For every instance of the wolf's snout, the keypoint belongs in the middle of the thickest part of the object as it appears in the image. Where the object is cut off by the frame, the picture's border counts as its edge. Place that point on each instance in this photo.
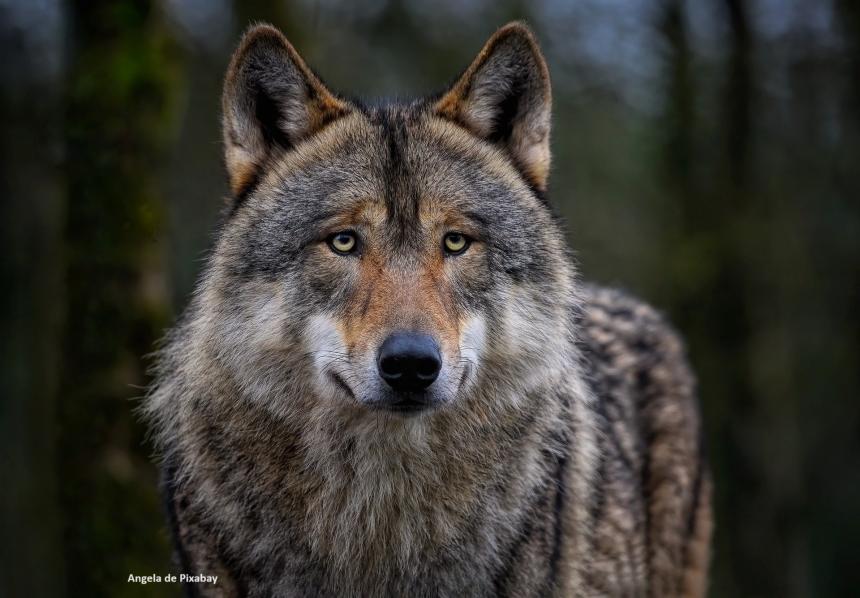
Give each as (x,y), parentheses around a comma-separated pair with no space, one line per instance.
(409,361)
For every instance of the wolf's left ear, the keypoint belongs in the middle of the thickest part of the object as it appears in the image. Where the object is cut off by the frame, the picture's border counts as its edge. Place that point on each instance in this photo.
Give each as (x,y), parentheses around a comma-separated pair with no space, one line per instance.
(271,102)
(504,97)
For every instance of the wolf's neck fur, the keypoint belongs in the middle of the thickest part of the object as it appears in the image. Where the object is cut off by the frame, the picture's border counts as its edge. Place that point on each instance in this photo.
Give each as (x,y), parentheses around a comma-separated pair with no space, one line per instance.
(375,495)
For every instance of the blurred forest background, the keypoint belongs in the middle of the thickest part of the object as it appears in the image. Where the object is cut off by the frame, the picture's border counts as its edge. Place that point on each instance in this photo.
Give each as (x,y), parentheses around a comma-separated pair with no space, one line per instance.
(707,158)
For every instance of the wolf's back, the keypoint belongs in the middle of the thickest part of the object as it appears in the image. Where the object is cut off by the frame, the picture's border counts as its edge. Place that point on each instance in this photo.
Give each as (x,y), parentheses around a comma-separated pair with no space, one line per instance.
(651,510)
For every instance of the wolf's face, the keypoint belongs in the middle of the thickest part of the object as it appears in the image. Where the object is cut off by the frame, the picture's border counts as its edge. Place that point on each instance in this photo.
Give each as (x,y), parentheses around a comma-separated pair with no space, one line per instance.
(386,259)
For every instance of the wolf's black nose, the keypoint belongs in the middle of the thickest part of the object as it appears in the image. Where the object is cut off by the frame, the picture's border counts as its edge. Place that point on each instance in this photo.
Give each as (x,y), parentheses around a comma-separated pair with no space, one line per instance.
(409,361)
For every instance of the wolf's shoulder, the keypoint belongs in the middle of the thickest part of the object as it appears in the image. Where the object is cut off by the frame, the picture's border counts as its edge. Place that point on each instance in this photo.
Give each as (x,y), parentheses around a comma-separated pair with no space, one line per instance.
(632,357)
(622,334)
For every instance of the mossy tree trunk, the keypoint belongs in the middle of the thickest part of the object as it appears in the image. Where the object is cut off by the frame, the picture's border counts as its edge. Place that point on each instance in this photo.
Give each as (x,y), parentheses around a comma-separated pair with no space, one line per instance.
(120,88)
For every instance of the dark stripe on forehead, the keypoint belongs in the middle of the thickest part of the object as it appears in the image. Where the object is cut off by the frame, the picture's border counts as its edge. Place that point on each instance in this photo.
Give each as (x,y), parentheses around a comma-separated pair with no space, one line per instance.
(400,191)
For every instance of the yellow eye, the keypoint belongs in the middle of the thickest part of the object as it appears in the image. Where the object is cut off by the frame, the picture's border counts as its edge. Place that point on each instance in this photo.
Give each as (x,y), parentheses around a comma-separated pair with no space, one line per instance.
(456,243)
(343,242)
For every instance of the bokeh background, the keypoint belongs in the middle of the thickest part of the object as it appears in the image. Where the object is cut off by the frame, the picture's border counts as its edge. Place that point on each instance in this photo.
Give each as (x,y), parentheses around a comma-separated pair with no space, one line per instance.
(707,158)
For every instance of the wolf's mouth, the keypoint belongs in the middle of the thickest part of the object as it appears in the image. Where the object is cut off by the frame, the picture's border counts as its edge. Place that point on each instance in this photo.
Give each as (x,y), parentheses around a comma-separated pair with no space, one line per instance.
(407,403)
(342,384)
(466,371)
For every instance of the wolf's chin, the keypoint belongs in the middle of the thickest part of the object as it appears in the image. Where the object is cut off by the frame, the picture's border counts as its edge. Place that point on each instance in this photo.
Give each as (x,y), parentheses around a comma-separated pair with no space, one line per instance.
(405,408)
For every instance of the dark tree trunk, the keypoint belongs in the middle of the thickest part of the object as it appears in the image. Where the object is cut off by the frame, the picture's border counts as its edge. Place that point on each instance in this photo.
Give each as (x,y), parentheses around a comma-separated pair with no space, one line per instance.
(119,101)
(31,212)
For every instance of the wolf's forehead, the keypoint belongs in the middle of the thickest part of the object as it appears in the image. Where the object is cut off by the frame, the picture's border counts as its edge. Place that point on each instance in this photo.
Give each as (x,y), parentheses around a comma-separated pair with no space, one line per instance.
(392,164)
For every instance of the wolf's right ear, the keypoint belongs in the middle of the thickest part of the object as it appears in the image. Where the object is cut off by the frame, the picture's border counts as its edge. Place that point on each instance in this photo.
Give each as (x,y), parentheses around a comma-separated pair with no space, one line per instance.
(271,102)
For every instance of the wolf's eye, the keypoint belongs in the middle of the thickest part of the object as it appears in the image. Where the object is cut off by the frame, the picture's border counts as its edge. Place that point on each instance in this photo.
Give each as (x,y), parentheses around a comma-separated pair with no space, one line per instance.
(343,242)
(455,243)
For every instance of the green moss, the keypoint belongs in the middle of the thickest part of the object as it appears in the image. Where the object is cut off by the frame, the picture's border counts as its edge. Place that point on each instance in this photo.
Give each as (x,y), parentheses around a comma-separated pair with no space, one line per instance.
(120,96)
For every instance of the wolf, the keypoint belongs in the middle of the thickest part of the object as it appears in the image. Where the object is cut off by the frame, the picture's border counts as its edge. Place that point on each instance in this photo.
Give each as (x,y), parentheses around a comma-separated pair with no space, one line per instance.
(391,380)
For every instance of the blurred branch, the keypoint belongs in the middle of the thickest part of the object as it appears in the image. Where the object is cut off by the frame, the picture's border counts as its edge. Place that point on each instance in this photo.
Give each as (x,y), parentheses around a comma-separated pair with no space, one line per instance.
(739,91)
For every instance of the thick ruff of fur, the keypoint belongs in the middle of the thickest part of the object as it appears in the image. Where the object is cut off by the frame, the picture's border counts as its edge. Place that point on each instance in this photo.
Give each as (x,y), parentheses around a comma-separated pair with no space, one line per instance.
(562,452)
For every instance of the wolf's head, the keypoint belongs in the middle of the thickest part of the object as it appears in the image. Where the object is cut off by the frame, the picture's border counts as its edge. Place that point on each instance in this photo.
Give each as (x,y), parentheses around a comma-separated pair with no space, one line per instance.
(390,258)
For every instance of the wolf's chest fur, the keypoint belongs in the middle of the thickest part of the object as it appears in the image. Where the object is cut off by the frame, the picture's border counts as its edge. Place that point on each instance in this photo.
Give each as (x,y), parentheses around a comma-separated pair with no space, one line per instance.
(386,508)
(390,382)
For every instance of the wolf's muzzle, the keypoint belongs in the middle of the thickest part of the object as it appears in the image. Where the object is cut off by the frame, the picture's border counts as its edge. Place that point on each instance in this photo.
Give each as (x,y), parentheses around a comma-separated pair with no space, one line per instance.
(409,361)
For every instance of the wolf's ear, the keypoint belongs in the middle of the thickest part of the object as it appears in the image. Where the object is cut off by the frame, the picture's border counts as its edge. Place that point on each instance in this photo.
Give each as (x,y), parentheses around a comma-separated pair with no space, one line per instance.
(271,102)
(504,96)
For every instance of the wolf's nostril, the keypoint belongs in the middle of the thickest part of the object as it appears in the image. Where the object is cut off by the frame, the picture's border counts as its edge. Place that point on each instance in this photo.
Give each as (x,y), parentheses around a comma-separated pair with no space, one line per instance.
(391,367)
(426,368)
(409,361)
